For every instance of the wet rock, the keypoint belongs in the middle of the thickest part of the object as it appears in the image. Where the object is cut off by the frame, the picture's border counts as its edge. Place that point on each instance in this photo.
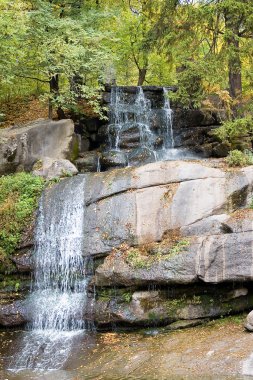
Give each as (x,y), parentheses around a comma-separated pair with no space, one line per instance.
(21,147)
(50,168)
(221,149)
(87,163)
(113,159)
(141,156)
(23,260)
(12,314)
(249,322)
(184,324)
(156,308)
(130,138)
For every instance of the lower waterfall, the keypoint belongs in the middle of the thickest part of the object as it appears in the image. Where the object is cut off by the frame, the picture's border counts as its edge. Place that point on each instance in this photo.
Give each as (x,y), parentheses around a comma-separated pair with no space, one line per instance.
(58,294)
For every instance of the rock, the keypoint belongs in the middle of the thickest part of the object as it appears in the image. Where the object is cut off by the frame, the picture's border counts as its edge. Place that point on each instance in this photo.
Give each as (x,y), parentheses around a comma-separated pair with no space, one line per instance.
(12,314)
(23,260)
(50,168)
(130,138)
(113,159)
(221,149)
(211,259)
(141,156)
(212,225)
(241,221)
(151,308)
(178,195)
(21,147)
(249,322)
(184,324)
(88,162)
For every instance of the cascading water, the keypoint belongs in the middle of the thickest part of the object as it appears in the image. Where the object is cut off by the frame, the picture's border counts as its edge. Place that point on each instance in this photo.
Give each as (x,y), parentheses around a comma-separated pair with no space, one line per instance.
(132,119)
(125,115)
(168,138)
(142,133)
(58,293)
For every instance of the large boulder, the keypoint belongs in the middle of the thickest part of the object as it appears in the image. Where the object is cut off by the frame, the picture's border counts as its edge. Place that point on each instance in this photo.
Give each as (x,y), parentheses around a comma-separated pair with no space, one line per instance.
(21,147)
(50,168)
(211,259)
(141,205)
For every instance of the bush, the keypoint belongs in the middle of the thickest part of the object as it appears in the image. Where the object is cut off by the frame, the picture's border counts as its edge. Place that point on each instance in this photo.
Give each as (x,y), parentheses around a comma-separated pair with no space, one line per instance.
(238,158)
(232,130)
(19,195)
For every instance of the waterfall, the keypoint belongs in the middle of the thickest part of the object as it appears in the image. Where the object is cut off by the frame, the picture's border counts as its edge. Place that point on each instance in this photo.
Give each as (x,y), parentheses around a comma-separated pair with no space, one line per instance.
(125,115)
(58,294)
(131,126)
(168,135)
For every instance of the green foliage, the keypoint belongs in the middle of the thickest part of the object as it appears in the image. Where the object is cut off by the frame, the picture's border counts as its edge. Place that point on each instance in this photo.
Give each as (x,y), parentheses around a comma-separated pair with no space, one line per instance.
(143,260)
(202,46)
(137,260)
(43,40)
(19,195)
(178,247)
(233,129)
(238,158)
(127,297)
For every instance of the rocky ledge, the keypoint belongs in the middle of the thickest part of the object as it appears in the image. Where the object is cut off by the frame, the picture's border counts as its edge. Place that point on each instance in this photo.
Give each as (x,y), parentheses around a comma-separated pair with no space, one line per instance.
(178,241)
(171,242)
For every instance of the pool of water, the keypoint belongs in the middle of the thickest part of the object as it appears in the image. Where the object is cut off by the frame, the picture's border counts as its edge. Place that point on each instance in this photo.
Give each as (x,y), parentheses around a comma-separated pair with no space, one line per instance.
(196,354)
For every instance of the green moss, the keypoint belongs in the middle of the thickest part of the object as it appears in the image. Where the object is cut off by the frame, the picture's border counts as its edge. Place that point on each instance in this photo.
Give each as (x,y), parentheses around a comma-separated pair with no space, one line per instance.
(173,305)
(127,297)
(108,294)
(137,260)
(75,151)
(19,195)
(177,248)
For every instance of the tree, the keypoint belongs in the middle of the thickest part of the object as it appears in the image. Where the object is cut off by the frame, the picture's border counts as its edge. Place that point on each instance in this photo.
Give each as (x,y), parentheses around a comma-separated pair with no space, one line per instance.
(59,42)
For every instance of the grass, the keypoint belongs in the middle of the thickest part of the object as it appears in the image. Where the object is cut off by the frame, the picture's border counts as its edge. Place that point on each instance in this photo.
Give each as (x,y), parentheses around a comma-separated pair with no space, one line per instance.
(19,194)
(143,258)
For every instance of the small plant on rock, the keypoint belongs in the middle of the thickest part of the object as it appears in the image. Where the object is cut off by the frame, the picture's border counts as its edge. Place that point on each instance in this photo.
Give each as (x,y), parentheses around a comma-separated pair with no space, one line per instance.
(238,158)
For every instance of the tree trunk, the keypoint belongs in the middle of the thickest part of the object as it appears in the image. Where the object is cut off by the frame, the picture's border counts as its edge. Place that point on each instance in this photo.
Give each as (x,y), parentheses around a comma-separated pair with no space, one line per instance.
(142,76)
(54,91)
(234,60)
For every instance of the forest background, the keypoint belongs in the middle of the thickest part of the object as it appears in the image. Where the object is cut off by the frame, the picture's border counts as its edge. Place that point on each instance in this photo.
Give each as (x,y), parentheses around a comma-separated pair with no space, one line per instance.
(62,51)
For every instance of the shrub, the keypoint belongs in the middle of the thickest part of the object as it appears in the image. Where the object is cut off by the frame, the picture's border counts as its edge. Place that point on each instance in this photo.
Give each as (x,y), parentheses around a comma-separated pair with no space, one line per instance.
(238,158)
(234,129)
(19,195)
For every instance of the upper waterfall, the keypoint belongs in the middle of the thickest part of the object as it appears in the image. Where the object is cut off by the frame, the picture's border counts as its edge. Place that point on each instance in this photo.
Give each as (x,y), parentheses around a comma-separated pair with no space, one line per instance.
(131,123)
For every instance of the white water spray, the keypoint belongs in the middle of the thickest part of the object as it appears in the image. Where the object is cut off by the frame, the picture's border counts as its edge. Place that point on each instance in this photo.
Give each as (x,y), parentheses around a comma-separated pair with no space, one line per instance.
(58,295)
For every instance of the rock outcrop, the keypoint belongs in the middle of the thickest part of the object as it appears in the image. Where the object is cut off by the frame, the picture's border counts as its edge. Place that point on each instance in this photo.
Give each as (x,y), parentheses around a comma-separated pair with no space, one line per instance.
(171,241)
(170,225)
(21,147)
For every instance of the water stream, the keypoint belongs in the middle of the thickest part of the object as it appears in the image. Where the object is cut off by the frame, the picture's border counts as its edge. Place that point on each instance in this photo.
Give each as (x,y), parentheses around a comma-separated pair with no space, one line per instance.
(58,294)
(131,128)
